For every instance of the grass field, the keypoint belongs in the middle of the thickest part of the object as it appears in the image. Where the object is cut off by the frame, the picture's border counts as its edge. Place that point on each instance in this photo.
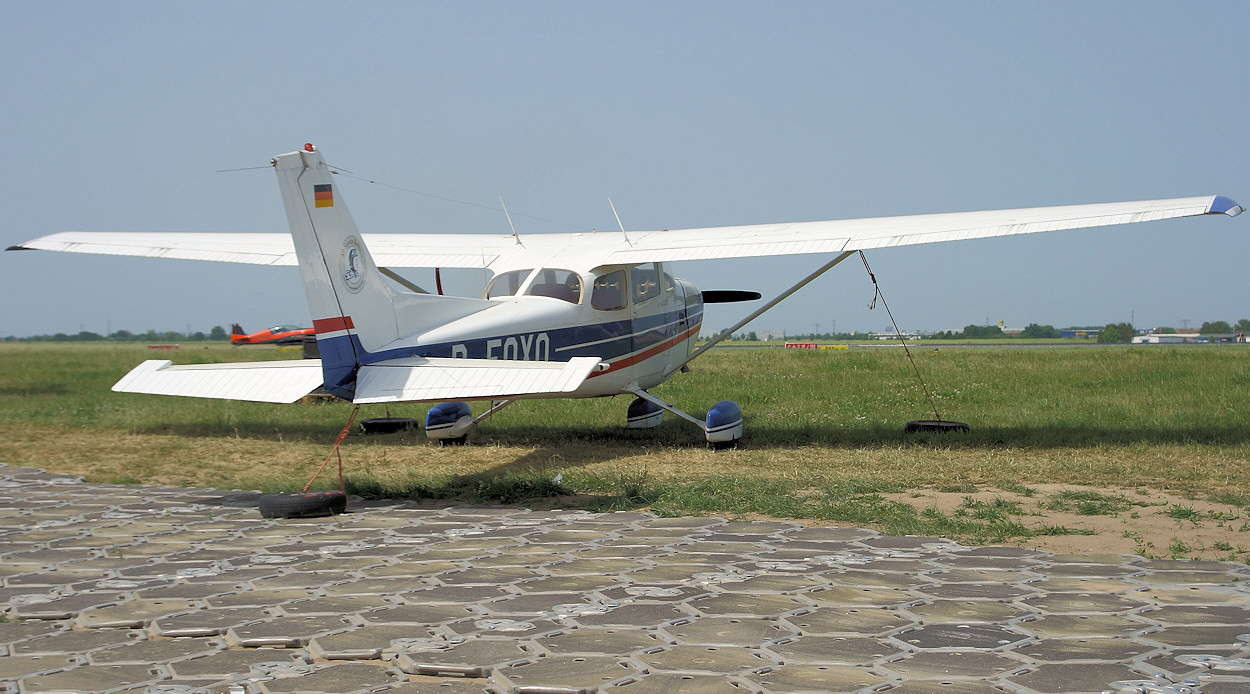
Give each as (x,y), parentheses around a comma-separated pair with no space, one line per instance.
(824,439)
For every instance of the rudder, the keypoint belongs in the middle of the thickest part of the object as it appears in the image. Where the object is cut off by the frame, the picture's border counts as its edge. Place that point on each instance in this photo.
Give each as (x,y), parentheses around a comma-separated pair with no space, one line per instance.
(353,310)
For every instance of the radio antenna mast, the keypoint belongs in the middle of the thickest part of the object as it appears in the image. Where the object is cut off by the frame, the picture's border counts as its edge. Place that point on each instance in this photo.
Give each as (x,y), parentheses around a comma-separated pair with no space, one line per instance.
(510,224)
(618,221)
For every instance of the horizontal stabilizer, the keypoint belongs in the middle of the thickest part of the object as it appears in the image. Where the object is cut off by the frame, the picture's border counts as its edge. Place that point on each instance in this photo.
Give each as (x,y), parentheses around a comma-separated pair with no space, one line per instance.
(427,379)
(257,381)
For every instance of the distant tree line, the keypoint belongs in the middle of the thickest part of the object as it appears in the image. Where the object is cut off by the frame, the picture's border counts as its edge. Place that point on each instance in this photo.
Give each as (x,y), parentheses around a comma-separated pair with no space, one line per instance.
(1219,326)
(1112,333)
(800,337)
(981,332)
(218,333)
(1116,333)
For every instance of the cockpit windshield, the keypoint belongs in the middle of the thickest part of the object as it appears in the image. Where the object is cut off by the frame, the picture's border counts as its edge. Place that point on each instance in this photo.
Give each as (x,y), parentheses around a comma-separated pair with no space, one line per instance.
(565,285)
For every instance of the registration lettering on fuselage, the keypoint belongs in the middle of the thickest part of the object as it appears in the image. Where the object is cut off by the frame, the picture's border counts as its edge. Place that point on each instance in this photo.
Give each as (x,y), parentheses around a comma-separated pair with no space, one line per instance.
(525,347)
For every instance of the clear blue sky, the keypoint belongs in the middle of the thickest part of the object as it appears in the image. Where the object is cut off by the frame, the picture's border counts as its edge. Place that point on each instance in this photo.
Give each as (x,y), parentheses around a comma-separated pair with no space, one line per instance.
(118,115)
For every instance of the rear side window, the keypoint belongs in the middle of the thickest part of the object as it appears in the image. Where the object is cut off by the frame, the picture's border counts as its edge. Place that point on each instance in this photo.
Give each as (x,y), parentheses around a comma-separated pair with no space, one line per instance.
(646,283)
(609,292)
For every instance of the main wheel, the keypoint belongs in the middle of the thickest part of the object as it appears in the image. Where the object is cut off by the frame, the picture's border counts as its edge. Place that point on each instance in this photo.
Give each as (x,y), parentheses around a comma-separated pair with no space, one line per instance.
(724,425)
(643,414)
(303,504)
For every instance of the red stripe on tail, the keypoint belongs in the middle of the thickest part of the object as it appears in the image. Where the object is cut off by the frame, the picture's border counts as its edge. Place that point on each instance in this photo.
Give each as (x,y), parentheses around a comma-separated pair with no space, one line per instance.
(330,325)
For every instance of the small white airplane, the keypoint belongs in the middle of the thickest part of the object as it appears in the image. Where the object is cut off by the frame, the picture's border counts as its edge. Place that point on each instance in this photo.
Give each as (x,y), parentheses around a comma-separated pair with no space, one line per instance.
(564,315)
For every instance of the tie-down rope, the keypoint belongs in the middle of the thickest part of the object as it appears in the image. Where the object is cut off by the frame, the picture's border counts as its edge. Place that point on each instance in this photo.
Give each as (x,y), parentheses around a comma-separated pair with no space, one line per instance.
(335,452)
(878,295)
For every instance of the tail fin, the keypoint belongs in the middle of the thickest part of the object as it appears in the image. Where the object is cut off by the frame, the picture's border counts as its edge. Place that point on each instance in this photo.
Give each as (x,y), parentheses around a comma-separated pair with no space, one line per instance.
(237,336)
(353,310)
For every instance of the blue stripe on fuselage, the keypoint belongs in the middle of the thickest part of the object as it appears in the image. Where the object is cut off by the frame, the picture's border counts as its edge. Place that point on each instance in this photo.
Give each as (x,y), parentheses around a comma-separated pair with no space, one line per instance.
(608,341)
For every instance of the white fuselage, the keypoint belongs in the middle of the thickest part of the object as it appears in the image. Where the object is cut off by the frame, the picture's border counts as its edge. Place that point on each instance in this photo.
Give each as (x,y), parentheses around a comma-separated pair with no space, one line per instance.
(641,322)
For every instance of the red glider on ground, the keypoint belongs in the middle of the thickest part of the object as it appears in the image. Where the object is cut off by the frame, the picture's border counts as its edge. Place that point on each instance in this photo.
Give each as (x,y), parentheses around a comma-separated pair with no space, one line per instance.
(278,334)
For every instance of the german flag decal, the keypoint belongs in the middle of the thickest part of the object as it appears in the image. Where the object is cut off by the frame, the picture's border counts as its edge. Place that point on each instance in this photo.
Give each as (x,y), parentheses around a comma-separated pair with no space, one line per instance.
(323,194)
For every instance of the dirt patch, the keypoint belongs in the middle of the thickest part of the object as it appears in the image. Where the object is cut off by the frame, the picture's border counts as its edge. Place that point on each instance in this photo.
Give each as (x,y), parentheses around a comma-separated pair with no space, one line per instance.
(1123,520)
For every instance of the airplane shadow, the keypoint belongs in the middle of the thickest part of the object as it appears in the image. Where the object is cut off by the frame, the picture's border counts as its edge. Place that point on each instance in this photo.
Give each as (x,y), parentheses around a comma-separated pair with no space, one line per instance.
(553,440)
(530,478)
(775,438)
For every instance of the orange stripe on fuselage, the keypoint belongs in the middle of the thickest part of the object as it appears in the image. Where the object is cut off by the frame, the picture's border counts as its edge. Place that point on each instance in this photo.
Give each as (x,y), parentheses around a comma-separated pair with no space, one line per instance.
(646,354)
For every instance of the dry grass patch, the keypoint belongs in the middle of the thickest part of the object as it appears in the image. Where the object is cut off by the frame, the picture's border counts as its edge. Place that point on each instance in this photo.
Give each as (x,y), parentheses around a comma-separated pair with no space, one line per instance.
(825,442)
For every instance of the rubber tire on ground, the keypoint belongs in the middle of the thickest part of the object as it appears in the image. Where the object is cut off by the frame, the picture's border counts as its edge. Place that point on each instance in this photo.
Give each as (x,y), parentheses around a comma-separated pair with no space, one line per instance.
(937,425)
(387,425)
(303,504)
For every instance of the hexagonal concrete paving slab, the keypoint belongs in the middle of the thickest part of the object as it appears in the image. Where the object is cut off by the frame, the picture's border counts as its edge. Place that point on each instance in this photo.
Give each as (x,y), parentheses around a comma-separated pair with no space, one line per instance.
(111,588)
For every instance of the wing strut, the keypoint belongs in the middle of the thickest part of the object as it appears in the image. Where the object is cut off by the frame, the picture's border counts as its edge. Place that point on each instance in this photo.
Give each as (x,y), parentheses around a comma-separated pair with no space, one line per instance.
(402,280)
(756,314)
(665,405)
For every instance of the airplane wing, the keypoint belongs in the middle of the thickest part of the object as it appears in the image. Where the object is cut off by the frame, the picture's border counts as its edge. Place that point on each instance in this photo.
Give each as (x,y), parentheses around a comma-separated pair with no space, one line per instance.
(428,379)
(258,381)
(881,232)
(794,238)
(389,250)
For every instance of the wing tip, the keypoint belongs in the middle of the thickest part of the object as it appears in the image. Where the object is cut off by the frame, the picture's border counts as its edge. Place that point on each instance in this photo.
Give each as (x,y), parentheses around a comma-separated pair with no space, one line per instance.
(1224,205)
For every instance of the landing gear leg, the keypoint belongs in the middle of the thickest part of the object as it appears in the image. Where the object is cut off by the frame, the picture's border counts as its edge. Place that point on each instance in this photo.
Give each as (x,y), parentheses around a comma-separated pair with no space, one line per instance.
(723,426)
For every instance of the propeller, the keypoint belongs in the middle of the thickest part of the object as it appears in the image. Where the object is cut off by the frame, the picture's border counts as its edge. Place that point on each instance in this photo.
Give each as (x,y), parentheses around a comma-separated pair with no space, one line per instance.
(728,296)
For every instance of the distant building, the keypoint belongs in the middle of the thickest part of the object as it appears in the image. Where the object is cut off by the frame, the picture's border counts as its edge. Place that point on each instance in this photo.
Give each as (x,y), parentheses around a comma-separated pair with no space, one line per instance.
(1091,333)
(1188,337)
(906,335)
(1163,339)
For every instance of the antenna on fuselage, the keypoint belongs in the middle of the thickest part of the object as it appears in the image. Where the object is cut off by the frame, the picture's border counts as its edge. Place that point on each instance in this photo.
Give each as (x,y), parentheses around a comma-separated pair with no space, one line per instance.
(510,224)
(618,221)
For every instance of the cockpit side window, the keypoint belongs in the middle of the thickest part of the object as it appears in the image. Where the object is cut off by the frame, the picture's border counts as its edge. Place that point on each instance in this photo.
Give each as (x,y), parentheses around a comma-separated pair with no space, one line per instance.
(645,281)
(609,292)
(565,285)
(506,283)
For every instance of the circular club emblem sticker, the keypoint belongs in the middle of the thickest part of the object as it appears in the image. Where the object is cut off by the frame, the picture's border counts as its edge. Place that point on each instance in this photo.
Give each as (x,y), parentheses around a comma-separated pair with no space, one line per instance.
(352,265)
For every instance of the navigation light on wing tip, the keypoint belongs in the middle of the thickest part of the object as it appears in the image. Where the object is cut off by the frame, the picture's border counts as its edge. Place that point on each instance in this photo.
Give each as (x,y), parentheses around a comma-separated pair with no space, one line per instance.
(308,147)
(1225,205)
